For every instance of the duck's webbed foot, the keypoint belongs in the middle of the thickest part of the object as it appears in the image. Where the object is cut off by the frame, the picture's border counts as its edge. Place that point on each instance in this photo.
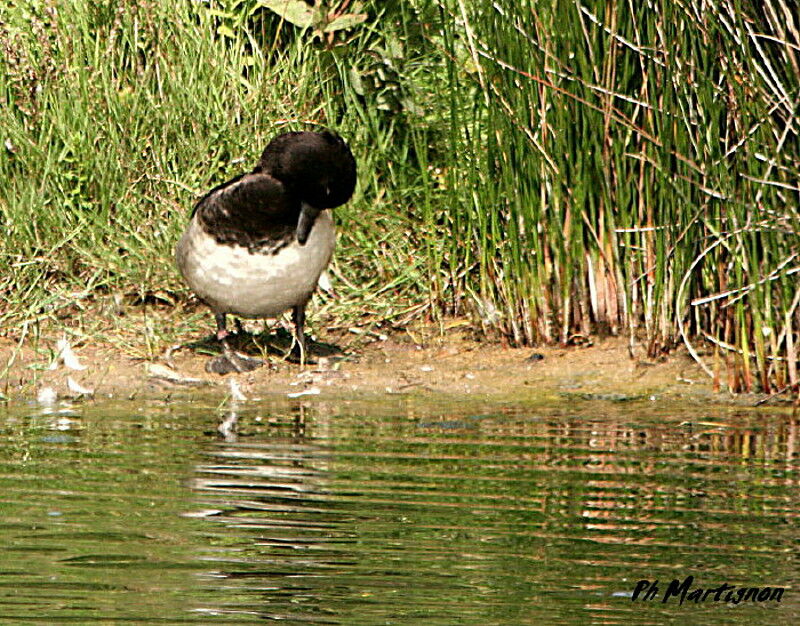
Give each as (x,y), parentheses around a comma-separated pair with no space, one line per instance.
(230,361)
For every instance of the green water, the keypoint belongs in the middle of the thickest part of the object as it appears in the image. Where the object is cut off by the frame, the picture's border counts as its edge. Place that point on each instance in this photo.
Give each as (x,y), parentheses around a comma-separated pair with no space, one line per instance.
(393,510)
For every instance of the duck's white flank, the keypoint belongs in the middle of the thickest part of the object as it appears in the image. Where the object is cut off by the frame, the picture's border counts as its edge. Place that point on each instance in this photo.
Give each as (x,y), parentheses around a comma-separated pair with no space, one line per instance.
(232,280)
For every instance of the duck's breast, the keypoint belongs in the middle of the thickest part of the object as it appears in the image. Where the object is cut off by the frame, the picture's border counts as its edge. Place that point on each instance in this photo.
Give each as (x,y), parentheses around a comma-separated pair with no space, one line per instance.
(261,283)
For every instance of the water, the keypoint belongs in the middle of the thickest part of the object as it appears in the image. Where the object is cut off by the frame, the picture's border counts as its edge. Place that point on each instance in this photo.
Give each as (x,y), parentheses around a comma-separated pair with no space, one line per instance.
(395,510)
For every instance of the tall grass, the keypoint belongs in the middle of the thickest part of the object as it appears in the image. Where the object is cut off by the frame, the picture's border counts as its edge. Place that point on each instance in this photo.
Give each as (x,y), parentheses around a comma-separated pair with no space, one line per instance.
(552,170)
(637,170)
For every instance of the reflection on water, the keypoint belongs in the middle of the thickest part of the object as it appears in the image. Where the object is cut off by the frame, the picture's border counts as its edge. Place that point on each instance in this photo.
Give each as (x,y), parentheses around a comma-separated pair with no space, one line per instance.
(396,510)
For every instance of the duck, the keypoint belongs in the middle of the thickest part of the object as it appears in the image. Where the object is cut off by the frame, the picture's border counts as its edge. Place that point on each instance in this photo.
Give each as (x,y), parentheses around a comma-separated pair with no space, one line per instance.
(256,245)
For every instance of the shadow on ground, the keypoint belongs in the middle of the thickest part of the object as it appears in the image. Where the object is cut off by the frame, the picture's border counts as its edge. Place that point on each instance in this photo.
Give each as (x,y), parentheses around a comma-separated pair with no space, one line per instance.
(277,343)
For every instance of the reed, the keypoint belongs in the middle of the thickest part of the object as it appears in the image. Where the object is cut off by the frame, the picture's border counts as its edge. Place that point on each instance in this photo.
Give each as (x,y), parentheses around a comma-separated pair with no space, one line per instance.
(633,167)
(551,170)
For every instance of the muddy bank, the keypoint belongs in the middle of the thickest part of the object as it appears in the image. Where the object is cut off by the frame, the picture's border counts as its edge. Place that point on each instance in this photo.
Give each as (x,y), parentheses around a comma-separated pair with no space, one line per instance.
(423,360)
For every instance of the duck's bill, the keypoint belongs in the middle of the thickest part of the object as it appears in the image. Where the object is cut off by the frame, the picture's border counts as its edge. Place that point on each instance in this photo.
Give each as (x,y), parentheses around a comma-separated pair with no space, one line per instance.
(308,215)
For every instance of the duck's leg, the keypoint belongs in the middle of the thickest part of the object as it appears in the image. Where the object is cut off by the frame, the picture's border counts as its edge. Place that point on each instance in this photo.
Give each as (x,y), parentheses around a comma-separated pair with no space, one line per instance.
(299,319)
(229,361)
(222,330)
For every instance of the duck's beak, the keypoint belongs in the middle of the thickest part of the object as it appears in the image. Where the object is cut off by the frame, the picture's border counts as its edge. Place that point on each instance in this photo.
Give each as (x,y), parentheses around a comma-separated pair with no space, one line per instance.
(308,214)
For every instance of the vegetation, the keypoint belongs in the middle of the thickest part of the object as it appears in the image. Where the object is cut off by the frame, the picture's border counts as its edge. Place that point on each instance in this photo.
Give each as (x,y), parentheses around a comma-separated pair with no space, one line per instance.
(549,169)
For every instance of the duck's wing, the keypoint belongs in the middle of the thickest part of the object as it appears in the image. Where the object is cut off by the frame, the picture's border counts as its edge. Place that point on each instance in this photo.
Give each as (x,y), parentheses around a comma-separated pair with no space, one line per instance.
(252,210)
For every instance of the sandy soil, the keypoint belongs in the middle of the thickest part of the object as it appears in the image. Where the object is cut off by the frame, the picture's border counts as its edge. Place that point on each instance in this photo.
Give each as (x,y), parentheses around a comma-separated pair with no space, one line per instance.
(424,360)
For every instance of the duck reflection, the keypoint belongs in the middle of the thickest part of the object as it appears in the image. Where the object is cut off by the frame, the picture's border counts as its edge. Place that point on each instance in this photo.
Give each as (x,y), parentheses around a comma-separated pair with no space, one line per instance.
(269,497)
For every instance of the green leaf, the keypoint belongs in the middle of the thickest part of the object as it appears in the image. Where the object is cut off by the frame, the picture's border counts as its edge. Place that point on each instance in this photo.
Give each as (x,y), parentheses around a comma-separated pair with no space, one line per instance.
(343,22)
(293,11)
(394,48)
(412,107)
(355,81)
(218,13)
(226,31)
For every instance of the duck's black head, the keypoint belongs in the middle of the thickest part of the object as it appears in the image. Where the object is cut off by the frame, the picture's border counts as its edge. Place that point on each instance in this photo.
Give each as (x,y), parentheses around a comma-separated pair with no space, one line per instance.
(317,168)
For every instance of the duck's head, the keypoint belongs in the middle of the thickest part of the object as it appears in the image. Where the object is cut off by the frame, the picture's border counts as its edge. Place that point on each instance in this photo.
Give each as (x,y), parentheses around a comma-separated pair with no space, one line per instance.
(316,168)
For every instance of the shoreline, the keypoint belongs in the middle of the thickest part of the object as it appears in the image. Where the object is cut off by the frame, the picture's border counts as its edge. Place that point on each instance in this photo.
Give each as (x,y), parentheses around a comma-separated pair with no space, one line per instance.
(423,361)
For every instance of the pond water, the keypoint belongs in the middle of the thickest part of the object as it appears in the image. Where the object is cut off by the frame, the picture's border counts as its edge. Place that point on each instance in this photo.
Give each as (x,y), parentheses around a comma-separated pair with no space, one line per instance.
(394,510)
